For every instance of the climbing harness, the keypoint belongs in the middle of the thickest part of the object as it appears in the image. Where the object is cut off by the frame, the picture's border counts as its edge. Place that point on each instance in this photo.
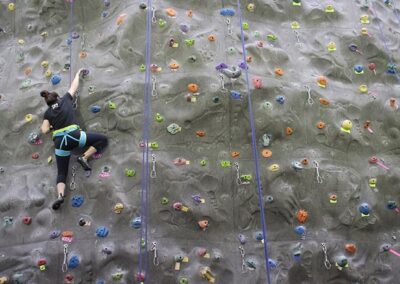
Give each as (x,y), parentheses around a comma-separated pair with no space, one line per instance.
(242,255)
(154,86)
(64,133)
(254,149)
(153,15)
(72,185)
(153,173)
(155,255)
(310,100)
(326,261)
(64,267)
(319,177)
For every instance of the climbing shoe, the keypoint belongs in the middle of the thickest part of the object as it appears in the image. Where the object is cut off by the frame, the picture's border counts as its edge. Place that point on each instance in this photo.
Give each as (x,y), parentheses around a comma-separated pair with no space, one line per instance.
(84,164)
(58,202)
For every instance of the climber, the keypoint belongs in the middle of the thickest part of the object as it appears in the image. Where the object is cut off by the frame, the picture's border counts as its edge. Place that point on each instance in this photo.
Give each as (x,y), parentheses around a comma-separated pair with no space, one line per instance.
(67,135)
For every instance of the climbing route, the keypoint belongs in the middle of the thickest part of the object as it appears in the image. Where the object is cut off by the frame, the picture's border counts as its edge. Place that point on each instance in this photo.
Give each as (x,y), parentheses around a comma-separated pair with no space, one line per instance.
(248,142)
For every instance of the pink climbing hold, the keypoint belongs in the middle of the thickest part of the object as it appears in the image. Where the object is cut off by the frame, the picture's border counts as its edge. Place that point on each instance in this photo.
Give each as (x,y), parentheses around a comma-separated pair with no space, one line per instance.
(257,83)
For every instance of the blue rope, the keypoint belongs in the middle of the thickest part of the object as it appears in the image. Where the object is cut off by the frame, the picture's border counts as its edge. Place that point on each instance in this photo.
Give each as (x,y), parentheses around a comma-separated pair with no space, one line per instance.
(384,39)
(145,175)
(255,151)
(71,27)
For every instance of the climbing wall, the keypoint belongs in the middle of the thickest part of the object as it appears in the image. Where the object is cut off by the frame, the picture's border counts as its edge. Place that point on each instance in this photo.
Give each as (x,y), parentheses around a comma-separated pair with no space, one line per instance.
(323,84)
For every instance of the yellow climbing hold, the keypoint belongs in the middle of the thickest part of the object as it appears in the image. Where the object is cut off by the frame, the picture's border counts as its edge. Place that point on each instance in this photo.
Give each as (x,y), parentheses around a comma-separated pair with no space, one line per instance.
(11,7)
(48,73)
(363,89)
(329,9)
(364,31)
(49,159)
(295,25)
(45,64)
(364,19)
(28,117)
(346,126)
(21,42)
(273,167)
(331,46)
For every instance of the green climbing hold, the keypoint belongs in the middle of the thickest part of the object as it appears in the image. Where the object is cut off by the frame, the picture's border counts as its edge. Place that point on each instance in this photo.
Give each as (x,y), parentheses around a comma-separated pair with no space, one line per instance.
(161,23)
(183,280)
(143,243)
(174,128)
(130,172)
(117,276)
(215,100)
(245,26)
(272,37)
(142,68)
(246,178)
(189,42)
(159,117)
(112,105)
(154,145)
(203,163)
(225,164)
(256,34)
(164,201)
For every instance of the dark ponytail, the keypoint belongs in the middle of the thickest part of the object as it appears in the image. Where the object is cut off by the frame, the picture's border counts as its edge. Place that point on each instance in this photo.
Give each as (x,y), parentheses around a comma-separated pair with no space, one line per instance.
(50,98)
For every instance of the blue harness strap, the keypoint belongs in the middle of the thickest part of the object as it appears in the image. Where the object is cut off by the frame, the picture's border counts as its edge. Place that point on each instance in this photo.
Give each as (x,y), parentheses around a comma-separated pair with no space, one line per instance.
(64,142)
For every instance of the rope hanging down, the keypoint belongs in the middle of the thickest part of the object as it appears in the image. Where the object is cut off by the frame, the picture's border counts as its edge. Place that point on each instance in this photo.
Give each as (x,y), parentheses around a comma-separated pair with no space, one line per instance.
(145,175)
(254,148)
(70,41)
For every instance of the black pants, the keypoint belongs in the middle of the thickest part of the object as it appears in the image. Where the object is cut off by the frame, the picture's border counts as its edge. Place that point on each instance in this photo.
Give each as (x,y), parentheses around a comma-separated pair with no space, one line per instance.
(98,141)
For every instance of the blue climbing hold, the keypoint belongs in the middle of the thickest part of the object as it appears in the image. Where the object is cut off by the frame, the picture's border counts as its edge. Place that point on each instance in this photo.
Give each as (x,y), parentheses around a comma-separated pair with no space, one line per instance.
(364,209)
(77,200)
(391,68)
(100,281)
(136,223)
(280,99)
(300,230)
(272,263)
(73,262)
(227,12)
(55,79)
(391,205)
(69,41)
(236,95)
(259,236)
(358,69)
(102,232)
(95,109)
(54,234)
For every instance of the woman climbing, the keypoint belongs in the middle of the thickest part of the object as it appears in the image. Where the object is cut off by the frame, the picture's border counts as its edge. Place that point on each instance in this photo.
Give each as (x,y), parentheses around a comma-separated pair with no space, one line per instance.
(67,135)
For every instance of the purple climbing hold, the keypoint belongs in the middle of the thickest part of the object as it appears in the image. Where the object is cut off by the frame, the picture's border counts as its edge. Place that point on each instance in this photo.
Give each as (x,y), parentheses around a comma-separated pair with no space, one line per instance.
(54,234)
(184,28)
(221,66)
(243,65)
(242,239)
(75,35)
(107,3)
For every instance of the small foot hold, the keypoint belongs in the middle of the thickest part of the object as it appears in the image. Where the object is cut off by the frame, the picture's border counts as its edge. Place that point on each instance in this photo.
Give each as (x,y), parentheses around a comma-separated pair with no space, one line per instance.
(56,205)
(88,173)
(84,164)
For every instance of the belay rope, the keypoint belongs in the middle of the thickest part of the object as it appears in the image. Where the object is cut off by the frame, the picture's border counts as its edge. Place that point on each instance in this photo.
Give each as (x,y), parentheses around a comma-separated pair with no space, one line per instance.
(254,148)
(145,175)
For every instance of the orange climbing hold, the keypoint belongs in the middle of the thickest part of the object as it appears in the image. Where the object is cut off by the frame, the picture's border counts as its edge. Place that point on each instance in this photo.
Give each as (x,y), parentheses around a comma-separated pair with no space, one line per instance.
(350,248)
(235,154)
(201,133)
(279,71)
(193,88)
(321,125)
(289,131)
(189,13)
(324,102)
(67,234)
(170,12)
(305,162)
(249,59)
(302,216)
(211,37)
(266,153)
(174,66)
(203,224)
(121,19)
(322,81)
(82,54)
(28,71)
